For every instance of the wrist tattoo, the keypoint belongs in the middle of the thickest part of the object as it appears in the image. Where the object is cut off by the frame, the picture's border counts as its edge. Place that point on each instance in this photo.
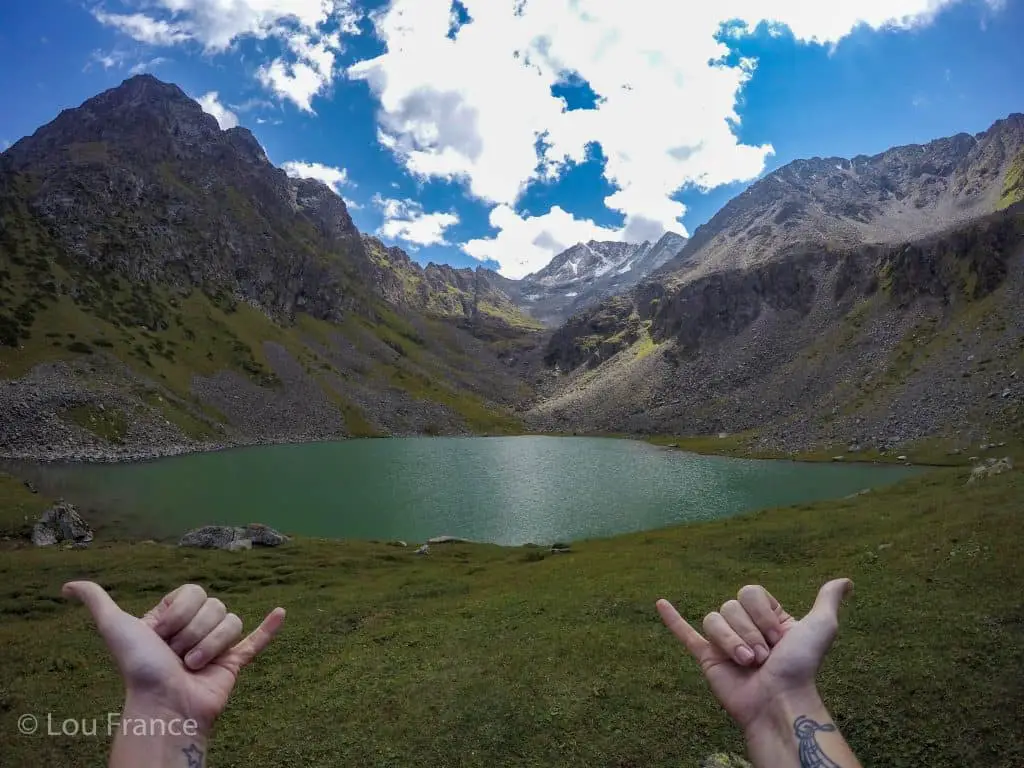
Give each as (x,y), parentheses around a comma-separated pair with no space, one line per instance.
(811,754)
(194,756)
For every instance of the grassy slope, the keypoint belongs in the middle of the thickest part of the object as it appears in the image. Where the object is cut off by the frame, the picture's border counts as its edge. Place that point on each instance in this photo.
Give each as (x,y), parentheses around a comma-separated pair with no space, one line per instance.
(483,656)
(1013,185)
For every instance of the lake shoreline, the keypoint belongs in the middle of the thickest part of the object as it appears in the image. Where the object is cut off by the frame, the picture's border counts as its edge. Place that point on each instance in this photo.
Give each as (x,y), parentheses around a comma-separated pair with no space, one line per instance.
(700,445)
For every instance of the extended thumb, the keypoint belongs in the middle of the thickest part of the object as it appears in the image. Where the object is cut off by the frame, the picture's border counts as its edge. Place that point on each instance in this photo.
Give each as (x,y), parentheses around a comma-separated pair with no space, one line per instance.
(101,605)
(830,597)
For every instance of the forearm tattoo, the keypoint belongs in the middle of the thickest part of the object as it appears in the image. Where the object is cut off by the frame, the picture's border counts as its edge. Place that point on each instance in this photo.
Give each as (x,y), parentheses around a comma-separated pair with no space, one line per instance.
(811,755)
(194,755)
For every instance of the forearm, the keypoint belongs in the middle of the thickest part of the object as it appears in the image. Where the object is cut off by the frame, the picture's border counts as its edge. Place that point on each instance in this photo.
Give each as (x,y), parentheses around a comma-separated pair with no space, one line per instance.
(151,736)
(796,731)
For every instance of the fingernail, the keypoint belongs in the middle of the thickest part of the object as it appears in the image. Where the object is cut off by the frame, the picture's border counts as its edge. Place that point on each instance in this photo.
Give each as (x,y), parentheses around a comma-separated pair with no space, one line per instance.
(744,655)
(760,653)
(193,658)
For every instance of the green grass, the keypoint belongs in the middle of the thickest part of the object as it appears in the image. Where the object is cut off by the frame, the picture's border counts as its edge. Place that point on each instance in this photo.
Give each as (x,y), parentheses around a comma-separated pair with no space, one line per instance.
(19,508)
(108,424)
(483,656)
(1013,184)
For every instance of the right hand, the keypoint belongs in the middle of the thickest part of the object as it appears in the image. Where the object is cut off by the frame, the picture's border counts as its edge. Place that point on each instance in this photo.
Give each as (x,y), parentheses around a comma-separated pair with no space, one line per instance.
(755,653)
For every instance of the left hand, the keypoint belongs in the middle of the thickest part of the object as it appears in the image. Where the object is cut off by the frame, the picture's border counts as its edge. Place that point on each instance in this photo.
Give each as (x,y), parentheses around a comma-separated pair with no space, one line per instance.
(183,657)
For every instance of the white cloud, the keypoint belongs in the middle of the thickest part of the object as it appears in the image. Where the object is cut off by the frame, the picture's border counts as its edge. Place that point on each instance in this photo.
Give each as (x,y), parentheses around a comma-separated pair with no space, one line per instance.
(146,66)
(335,178)
(526,244)
(212,106)
(310,31)
(477,107)
(109,60)
(144,28)
(406,220)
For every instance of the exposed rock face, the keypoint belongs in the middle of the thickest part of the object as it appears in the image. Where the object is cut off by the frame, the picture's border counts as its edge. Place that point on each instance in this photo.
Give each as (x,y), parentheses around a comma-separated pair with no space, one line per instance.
(60,523)
(441,290)
(874,346)
(588,272)
(140,181)
(232,538)
(896,196)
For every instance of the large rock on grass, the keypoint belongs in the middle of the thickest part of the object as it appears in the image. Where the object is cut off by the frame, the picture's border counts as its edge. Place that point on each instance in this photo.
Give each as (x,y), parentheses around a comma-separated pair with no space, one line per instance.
(61,522)
(232,537)
(990,469)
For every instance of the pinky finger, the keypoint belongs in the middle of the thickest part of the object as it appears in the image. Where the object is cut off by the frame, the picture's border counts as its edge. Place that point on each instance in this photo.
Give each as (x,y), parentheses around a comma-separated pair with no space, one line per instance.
(220,638)
(690,637)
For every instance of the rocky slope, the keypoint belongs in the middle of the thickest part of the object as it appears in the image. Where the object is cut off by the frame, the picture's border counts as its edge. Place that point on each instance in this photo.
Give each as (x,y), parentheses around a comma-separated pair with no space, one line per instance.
(901,194)
(873,346)
(581,276)
(163,285)
(476,298)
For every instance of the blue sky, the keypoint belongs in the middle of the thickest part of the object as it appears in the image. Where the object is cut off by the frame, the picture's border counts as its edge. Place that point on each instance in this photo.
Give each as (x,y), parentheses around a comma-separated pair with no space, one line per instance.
(500,132)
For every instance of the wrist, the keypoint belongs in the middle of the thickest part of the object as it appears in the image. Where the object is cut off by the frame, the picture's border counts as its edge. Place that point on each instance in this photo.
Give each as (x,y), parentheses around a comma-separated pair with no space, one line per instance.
(161,718)
(150,733)
(776,718)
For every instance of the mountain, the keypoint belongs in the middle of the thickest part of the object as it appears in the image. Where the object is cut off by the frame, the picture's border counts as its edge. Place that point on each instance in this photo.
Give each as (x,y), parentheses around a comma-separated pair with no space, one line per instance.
(903,193)
(587,272)
(476,298)
(874,301)
(873,347)
(162,283)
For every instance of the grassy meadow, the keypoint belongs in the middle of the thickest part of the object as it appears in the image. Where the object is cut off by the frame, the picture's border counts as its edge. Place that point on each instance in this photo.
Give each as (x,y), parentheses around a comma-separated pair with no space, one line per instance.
(484,656)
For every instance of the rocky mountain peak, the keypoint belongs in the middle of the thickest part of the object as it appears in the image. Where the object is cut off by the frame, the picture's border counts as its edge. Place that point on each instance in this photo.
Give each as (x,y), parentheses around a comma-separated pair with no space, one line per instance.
(904,192)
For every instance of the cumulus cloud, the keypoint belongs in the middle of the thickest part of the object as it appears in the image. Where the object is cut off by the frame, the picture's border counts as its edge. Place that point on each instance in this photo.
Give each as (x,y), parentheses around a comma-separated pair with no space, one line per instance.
(210,102)
(473,102)
(527,244)
(309,30)
(335,178)
(406,220)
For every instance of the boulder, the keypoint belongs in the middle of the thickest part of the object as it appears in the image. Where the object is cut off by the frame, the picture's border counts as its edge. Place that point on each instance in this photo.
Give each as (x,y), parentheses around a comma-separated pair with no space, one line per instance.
(990,469)
(724,760)
(229,537)
(61,522)
(263,536)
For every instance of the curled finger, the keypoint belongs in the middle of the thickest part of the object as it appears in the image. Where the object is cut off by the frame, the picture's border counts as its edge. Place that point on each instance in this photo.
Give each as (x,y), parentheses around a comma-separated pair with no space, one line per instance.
(726,639)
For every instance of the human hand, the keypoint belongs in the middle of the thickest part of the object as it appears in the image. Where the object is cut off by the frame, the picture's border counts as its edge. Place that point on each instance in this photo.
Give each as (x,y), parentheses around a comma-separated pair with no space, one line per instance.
(756,655)
(183,657)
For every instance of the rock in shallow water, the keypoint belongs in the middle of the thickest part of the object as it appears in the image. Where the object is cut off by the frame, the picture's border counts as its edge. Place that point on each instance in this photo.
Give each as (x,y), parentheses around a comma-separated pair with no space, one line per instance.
(231,537)
(61,522)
